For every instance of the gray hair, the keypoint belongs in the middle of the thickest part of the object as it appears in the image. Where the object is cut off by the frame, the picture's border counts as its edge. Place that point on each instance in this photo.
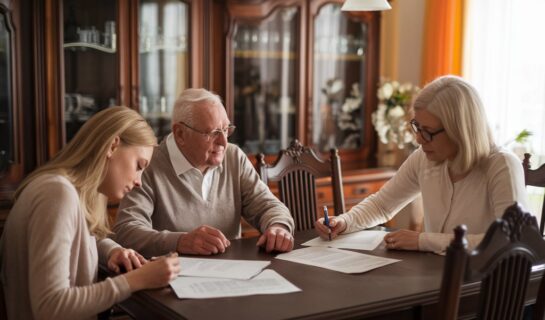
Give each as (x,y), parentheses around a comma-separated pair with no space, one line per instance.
(458,105)
(183,110)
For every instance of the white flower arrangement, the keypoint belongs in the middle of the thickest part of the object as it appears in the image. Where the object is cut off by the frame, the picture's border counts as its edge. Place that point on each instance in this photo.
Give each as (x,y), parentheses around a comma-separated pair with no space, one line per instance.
(390,119)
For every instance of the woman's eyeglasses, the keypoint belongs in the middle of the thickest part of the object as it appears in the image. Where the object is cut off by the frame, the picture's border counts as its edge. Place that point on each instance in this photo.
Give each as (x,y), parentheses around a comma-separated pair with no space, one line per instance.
(425,134)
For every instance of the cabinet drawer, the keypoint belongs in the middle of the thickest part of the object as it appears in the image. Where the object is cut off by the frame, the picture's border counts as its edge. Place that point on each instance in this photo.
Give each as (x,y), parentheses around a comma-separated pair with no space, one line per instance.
(362,190)
(324,194)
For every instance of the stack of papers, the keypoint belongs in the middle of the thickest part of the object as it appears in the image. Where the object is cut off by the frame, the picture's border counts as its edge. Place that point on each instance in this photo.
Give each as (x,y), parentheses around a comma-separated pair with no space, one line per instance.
(267,282)
(336,259)
(363,240)
(221,268)
(216,278)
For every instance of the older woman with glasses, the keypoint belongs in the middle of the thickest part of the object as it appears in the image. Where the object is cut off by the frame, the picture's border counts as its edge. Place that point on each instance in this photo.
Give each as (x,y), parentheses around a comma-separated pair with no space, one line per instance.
(463,176)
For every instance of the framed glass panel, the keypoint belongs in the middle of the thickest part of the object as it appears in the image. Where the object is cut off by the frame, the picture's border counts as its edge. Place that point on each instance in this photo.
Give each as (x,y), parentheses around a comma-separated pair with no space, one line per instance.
(6,107)
(340,46)
(164,59)
(265,81)
(90,60)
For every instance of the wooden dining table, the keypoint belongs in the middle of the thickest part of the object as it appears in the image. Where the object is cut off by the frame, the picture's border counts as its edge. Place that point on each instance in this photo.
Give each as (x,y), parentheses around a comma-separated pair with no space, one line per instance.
(408,289)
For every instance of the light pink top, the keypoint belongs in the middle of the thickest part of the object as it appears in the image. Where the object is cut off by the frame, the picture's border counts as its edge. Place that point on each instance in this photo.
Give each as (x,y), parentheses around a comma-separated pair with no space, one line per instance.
(49,260)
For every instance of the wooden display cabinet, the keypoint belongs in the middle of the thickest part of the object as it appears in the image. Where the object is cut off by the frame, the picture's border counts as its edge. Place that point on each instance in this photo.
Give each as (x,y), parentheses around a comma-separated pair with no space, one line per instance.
(286,69)
(135,53)
(302,69)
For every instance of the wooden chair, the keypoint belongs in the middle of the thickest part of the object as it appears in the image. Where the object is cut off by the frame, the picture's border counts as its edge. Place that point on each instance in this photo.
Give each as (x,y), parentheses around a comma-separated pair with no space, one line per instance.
(539,308)
(295,171)
(535,178)
(3,308)
(502,262)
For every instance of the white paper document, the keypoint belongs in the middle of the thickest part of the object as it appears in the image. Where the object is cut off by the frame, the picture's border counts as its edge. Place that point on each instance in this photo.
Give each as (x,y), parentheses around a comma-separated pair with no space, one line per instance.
(267,282)
(362,240)
(221,268)
(336,259)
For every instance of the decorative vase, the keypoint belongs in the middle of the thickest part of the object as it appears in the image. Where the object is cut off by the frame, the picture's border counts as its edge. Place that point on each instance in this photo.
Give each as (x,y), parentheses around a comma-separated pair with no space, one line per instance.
(387,154)
(390,155)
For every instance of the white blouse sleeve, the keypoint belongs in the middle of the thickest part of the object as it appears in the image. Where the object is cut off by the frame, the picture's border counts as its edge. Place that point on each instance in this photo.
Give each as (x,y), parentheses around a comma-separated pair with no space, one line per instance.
(392,197)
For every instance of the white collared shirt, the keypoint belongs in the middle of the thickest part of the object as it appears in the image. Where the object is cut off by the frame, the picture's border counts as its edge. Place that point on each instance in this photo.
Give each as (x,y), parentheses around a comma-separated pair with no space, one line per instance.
(181,165)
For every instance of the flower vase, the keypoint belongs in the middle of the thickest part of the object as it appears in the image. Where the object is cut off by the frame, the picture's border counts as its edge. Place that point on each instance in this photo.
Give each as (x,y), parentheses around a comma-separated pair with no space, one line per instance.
(387,154)
(390,155)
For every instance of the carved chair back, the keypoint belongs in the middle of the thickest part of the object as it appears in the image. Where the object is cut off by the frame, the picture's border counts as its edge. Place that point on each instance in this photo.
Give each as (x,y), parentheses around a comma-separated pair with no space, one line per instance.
(502,262)
(535,178)
(296,170)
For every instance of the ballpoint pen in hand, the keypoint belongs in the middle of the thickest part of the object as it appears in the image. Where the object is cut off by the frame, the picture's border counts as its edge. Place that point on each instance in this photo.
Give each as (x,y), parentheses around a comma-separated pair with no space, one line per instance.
(326,221)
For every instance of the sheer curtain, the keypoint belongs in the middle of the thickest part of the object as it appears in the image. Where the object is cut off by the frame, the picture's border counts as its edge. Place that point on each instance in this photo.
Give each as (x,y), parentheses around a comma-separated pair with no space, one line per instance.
(504,57)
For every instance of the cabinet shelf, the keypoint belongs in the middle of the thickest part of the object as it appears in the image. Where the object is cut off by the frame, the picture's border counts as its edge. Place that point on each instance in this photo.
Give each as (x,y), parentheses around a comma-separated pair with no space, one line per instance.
(89,45)
(180,49)
(339,56)
(265,54)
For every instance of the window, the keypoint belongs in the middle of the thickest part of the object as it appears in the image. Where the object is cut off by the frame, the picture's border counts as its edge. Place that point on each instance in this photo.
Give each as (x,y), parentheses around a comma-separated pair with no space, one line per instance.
(504,57)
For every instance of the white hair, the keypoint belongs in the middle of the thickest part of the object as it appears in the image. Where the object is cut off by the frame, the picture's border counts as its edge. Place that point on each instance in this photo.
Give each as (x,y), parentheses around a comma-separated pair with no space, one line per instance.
(458,105)
(183,110)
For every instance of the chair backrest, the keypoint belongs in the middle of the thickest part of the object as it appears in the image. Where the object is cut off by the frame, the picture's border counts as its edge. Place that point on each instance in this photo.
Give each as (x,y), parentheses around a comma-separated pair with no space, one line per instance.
(502,262)
(295,170)
(3,309)
(535,178)
(539,308)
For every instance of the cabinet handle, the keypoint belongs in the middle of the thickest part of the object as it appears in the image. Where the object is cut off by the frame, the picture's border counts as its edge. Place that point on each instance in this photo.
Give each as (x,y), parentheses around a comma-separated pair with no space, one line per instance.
(360,190)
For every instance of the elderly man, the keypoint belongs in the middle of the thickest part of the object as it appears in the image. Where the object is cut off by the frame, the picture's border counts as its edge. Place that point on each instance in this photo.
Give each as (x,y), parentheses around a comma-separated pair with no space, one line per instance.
(197,188)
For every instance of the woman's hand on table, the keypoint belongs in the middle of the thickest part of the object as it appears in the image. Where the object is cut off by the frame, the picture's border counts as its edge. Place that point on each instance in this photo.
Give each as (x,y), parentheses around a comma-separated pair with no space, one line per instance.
(402,240)
(128,259)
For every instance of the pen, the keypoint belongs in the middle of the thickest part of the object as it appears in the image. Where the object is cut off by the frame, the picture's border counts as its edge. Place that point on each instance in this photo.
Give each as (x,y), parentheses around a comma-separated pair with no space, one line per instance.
(168,255)
(326,221)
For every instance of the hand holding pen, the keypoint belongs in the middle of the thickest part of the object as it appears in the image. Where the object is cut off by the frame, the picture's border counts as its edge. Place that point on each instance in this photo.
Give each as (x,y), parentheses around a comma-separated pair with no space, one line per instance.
(329,227)
(326,222)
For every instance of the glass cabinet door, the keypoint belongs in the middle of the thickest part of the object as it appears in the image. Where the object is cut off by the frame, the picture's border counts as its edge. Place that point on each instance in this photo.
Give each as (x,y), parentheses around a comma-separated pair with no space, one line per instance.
(6,116)
(90,60)
(265,81)
(339,80)
(164,59)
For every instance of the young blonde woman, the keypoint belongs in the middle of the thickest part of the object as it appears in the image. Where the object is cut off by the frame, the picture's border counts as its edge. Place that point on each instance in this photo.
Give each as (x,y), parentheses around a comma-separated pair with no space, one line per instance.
(55,234)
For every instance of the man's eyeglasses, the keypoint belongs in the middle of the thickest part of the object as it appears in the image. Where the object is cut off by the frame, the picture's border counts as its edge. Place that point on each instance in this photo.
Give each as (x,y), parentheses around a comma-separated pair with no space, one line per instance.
(425,134)
(212,135)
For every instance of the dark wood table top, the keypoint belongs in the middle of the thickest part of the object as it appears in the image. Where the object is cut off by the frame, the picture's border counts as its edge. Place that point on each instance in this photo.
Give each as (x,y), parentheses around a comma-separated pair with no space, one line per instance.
(325,294)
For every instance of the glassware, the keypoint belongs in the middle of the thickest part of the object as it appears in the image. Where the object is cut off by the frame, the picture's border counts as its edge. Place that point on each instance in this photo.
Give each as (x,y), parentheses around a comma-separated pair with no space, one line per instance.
(265,82)
(339,79)
(164,59)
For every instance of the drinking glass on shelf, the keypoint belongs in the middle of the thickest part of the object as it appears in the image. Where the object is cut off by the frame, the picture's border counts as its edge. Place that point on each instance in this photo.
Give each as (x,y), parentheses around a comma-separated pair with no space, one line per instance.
(83,35)
(94,36)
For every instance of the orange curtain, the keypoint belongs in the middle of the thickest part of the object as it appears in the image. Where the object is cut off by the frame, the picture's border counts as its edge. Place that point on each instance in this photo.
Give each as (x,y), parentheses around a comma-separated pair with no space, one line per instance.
(443,26)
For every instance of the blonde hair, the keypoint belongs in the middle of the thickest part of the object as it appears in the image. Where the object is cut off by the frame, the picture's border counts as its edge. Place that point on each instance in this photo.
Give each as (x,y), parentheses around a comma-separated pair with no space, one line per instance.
(83,160)
(458,105)
(183,107)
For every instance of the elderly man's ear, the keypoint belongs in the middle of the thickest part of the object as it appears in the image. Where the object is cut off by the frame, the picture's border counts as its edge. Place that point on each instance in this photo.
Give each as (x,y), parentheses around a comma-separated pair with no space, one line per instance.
(179,133)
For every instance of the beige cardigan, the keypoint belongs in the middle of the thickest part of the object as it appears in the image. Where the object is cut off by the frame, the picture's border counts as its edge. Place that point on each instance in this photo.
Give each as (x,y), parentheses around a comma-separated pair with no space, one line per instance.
(49,260)
(152,218)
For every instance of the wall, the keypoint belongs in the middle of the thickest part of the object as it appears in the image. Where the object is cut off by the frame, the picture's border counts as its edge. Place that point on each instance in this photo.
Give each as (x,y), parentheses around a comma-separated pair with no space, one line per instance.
(402,32)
